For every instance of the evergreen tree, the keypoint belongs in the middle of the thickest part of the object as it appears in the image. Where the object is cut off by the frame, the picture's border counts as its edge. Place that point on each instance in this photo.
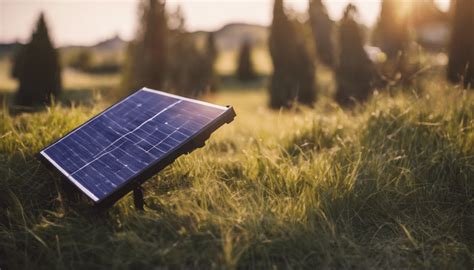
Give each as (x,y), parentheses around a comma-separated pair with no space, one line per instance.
(185,66)
(147,63)
(245,68)
(210,57)
(191,70)
(165,56)
(461,53)
(37,68)
(391,32)
(322,27)
(355,72)
(211,48)
(293,77)
(17,62)
(184,57)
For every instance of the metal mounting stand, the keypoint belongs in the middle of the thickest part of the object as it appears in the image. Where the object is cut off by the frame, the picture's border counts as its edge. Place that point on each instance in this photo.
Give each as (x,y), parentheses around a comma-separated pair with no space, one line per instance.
(138,198)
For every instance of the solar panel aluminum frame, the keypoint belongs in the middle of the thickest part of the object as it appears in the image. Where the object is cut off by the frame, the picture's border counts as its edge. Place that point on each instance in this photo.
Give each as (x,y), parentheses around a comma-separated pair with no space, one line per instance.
(192,143)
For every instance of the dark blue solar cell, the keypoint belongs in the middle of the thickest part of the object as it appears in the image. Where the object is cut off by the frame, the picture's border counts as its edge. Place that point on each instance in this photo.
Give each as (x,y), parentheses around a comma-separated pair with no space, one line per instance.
(156,152)
(120,143)
(144,145)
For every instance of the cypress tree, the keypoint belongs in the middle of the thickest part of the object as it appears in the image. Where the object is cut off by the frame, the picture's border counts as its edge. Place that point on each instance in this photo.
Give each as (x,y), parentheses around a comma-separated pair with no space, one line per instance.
(183,77)
(210,57)
(461,52)
(355,72)
(147,63)
(211,48)
(293,77)
(245,68)
(322,27)
(37,68)
(391,32)
(17,62)
(165,56)
(183,58)
(190,70)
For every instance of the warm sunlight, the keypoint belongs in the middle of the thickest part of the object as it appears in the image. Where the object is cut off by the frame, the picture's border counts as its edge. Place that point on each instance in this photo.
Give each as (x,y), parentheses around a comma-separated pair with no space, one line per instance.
(236,134)
(86,22)
(404,8)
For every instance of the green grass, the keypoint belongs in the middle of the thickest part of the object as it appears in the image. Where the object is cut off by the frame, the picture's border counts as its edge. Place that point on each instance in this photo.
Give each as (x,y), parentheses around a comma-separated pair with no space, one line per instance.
(387,185)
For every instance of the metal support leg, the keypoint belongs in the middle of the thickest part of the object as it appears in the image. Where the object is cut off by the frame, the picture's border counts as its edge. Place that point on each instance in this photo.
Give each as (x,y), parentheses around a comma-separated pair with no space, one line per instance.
(138,198)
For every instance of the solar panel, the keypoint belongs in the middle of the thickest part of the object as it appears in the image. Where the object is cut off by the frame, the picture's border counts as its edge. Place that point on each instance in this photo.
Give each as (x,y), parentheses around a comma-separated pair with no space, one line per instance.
(120,148)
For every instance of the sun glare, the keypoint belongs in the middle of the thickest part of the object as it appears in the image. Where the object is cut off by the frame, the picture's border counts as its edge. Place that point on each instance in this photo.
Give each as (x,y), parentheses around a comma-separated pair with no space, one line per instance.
(404,8)
(68,26)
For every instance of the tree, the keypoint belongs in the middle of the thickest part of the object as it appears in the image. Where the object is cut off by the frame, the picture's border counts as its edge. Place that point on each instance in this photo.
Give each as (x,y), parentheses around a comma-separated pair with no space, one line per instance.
(392,35)
(191,70)
(165,56)
(185,66)
(182,59)
(293,77)
(355,72)
(82,60)
(245,68)
(210,57)
(322,27)
(147,63)
(37,68)
(391,32)
(461,52)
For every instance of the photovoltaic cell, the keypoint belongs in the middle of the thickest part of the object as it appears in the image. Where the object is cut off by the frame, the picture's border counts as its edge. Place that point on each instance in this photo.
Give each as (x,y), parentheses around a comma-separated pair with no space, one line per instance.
(117,145)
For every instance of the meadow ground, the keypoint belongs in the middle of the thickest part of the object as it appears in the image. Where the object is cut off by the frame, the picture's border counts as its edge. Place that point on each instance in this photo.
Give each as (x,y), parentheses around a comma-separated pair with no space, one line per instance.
(387,185)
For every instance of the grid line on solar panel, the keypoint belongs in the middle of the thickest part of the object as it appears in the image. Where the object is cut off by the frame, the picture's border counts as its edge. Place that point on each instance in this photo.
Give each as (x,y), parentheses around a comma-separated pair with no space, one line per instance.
(128,137)
(105,152)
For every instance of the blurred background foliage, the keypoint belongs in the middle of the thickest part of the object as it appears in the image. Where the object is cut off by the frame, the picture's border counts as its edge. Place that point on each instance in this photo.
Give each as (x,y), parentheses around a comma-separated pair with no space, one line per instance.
(408,40)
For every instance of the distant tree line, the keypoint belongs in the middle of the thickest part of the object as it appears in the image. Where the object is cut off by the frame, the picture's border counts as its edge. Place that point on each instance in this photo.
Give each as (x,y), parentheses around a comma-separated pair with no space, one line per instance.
(293,79)
(356,75)
(164,55)
(84,60)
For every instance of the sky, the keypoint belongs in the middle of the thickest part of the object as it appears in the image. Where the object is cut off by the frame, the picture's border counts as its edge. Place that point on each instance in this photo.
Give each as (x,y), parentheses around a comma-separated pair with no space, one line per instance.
(85,22)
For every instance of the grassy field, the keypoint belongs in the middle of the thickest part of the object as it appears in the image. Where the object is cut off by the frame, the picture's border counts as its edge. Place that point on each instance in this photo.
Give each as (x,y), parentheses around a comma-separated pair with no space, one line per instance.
(387,185)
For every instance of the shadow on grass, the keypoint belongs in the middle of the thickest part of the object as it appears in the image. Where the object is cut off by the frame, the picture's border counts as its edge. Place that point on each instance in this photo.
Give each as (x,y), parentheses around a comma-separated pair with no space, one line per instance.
(68,98)
(231,83)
